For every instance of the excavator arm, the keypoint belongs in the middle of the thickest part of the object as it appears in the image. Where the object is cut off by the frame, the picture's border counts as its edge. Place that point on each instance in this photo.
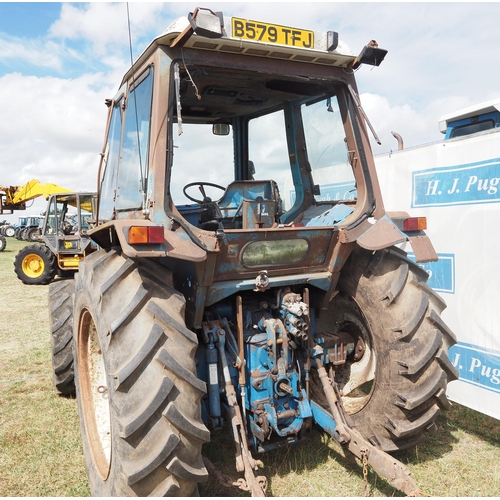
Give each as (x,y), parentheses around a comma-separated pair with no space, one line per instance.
(15,197)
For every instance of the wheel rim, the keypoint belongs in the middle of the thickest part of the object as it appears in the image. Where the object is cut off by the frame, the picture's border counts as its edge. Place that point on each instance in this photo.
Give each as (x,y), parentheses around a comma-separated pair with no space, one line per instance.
(94,394)
(33,266)
(356,378)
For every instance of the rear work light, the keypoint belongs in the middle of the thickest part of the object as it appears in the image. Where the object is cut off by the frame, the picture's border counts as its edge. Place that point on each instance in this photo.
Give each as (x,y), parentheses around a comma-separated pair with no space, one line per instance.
(415,224)
(145,235)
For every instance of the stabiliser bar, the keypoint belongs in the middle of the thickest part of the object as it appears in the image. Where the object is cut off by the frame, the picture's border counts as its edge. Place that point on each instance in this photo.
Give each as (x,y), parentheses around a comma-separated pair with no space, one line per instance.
(382,463)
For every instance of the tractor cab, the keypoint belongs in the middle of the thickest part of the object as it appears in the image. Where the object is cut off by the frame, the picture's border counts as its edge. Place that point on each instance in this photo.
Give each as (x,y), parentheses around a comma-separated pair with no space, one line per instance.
(218,141)
(229,288)
(68,219)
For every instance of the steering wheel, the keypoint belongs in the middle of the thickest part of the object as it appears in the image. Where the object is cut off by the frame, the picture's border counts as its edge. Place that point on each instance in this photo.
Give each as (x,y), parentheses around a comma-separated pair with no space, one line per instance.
(201,187)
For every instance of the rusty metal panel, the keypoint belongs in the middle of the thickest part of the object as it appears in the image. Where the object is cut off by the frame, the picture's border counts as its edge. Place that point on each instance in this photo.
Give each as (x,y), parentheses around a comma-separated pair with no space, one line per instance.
(235,245)
(423,249)
(173,245)
(382,234)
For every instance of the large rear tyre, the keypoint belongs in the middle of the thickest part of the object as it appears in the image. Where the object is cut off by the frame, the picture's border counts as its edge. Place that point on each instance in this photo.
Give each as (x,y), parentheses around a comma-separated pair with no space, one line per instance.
(394,385)
(61,327)
(3,243)
(138,395)
(35,264)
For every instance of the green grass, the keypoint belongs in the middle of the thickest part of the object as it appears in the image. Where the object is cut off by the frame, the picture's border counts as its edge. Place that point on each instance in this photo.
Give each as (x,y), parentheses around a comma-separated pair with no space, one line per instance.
(40,448)
(41,454)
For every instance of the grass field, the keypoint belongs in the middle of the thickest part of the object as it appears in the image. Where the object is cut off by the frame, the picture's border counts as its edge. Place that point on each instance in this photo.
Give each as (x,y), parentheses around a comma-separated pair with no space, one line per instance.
(40,448)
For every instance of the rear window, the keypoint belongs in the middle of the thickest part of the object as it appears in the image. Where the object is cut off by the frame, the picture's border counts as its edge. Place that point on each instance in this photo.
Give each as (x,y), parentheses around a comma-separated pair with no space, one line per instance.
(472,128)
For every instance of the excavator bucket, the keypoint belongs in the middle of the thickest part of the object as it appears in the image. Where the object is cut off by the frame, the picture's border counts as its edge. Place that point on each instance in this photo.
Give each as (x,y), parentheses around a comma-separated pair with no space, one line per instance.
(15,197)
(6,205)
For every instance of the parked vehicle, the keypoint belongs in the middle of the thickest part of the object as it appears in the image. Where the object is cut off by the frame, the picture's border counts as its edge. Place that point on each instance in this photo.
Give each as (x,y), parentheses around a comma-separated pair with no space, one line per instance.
(63,240)
(229,289)
(15,198)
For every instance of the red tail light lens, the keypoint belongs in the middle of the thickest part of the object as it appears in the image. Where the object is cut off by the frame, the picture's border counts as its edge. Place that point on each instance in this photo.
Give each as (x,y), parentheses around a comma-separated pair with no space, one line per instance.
(155,234)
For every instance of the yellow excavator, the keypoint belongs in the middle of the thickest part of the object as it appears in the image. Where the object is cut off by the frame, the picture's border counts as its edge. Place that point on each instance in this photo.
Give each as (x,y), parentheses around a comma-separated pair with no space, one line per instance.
(15,197)
(63,235)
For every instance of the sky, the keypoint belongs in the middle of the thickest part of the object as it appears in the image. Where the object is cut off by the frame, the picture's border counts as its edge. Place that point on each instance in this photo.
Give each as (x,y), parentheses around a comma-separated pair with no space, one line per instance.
(60,61)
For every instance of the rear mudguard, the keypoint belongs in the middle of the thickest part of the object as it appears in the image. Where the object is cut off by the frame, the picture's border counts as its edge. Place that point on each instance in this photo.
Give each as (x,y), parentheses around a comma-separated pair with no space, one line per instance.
(384,234)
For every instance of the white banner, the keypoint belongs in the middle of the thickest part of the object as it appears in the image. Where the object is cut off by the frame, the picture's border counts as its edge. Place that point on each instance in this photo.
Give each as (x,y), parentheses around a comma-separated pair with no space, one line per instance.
(456,185)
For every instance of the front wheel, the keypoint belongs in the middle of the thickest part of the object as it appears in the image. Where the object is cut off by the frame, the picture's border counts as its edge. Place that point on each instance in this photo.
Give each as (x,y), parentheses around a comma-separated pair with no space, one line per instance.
(35,265)
(139,399)
(9,231)
(393,385)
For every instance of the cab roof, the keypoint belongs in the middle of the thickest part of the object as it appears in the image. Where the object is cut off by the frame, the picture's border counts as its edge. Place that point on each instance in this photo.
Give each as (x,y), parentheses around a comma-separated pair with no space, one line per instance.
(327,49)
(476,110)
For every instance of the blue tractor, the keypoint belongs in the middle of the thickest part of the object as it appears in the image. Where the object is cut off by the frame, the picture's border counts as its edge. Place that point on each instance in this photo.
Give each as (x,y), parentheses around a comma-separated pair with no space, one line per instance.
(229,290)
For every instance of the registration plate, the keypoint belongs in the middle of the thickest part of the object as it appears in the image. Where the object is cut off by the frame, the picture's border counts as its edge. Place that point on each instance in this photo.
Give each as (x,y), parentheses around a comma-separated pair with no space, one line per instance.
(272,33)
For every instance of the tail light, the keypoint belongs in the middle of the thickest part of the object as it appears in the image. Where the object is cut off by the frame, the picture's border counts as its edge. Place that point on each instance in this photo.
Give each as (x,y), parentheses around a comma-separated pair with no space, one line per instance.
(415,224)
(145,235)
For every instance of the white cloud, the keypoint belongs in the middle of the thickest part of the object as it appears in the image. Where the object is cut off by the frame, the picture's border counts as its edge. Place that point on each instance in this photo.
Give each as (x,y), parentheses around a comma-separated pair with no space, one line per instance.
(36,52)
(104,25)
(54,131)
(386,119)
(100,23)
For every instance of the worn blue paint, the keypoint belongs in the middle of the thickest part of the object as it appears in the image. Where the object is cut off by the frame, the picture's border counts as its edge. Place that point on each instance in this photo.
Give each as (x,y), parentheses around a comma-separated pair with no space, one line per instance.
(323,419)
(329,216)
(332,192)
(222,289)
(264,356)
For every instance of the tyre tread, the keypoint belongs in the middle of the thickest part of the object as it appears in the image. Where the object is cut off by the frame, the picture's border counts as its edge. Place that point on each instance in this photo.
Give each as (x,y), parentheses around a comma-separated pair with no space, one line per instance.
(421,355)
(137,360)
(61,327)
(144,469)
(197,473)
(140,297)
(432,387)
(171,322)
(173,365)
(402,429)
(149,408)
(150,364)
(181,422)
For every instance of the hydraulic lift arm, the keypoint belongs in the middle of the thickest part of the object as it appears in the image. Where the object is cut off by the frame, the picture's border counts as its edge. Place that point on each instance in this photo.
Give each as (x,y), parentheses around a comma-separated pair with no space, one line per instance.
(15,197)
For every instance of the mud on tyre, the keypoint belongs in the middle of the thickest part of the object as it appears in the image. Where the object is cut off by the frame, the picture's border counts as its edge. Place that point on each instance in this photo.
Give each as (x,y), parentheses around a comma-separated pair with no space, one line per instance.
(396,390)
(139,398)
